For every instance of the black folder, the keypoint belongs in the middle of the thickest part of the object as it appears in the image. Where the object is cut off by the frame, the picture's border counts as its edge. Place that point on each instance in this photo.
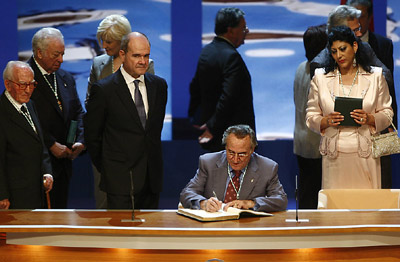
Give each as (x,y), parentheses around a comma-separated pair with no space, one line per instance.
(345,105)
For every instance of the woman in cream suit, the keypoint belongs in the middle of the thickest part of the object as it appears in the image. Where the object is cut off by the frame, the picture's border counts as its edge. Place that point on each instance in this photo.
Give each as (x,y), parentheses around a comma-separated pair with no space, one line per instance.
(346,150)
(109,34)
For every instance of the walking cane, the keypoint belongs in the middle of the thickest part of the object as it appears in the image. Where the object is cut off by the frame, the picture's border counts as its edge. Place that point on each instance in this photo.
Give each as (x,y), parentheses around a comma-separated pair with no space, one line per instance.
(47,195)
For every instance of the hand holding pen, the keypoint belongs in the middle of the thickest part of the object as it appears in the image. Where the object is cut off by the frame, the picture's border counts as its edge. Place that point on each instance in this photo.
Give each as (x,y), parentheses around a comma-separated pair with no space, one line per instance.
(212,204)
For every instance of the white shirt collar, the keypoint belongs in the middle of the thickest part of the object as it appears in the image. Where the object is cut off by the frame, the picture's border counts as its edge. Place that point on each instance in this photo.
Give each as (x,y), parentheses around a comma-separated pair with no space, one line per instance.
(128,78)
(365,37)
(44,72)
(14,102)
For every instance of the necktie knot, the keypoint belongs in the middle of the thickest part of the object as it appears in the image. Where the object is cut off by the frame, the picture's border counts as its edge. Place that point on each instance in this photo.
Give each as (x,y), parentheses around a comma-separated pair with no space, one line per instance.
(24,109)
(50,78)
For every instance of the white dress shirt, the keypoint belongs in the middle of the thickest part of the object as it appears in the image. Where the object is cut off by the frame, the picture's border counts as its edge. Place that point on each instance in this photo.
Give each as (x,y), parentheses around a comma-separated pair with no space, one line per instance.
(131,85)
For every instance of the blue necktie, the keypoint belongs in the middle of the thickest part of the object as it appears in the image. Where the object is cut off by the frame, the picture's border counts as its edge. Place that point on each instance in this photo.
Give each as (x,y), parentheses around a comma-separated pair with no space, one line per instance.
(139,104)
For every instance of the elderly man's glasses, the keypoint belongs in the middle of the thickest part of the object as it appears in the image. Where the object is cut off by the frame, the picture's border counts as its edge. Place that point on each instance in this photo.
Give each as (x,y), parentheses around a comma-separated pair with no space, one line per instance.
(232,155)
(23,86)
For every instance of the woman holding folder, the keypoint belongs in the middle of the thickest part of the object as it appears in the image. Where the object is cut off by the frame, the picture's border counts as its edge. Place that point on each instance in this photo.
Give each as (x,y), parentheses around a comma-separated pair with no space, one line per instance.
(349,84)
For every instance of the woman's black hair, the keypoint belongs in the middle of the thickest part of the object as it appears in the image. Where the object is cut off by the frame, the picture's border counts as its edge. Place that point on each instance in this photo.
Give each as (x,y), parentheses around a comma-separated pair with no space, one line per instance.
(345,34)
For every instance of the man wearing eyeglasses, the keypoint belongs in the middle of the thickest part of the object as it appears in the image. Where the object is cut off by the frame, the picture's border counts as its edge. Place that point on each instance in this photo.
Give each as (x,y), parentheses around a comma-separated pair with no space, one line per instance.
(235,177)
(220,92)
(351,17)
(58,107)
(25,169)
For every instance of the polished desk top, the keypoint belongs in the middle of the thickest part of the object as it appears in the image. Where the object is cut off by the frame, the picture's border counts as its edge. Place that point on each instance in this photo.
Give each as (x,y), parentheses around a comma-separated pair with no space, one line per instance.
(168,222)
(165,229)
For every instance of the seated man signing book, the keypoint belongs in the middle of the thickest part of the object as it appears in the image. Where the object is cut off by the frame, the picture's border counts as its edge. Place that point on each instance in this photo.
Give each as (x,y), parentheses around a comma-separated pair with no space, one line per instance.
(236,176)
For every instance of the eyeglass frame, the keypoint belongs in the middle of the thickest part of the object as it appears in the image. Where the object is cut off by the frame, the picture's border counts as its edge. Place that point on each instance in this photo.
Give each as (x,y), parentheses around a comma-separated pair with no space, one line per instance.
(34,83)
(355,30)
(232,154)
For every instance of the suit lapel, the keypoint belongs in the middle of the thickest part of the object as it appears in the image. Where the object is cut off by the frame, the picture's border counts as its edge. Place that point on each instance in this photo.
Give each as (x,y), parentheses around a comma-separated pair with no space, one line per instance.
(35,119)
(151,98)
(44,88)
(363,82)
(125,96)
(17,118)
(249,180)
(63,95)
(221,176)
(373,42)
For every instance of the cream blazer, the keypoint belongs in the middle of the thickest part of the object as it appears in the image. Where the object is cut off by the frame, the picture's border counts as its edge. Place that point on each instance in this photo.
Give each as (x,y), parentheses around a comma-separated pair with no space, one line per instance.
(321,102)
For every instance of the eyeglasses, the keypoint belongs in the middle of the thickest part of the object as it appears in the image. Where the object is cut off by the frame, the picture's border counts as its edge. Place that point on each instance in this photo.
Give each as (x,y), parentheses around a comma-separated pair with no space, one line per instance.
(246,29)
(355,30)
(23,86)
(232,155)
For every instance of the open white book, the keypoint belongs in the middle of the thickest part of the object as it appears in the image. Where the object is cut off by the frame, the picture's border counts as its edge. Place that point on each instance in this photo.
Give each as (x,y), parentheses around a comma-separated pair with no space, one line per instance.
(231,213)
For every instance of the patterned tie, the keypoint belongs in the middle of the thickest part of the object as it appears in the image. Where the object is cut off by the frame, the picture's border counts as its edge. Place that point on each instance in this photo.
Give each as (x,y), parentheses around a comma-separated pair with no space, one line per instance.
(139,104)
(230,191)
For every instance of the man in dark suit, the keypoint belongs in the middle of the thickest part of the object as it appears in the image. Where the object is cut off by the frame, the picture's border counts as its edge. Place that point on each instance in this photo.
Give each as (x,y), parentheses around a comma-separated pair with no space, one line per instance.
(383,48)
(220,92)
(125,115)
(236,176)
(25,169)
(58,106)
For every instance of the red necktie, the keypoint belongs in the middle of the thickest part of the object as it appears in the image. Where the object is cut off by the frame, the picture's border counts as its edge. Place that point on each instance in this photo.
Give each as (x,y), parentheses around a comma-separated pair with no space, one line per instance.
(230,191)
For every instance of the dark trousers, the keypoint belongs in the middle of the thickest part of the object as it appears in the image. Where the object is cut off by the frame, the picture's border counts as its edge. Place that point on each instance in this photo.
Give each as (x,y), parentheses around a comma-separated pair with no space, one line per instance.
(309,181)
(386,172)
(145,199)
(59,193)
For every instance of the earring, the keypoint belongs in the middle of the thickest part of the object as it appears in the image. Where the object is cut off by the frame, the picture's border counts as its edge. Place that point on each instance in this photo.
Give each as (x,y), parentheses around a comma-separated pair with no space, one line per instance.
(354,62)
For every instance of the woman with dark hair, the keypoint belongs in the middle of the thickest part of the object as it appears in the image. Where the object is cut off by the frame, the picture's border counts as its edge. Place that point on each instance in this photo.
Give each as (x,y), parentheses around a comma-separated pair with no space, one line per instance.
(346,149)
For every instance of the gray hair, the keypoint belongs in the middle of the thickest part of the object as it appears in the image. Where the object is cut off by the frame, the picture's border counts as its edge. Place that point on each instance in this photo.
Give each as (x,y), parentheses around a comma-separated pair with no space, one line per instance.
(240,131)
(41,38)
(8,72)
(113,27)
(126,38)
(340,15)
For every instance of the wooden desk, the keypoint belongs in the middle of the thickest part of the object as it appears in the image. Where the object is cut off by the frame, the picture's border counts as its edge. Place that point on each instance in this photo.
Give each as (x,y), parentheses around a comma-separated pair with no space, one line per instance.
(165,230)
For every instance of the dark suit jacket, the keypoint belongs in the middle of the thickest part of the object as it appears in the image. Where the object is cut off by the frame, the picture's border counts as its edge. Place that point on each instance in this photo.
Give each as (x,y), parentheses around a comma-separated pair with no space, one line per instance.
(23,157)
(55,123)
(383,48)
(116,140)
(260,183)
(220,92)
(321,60)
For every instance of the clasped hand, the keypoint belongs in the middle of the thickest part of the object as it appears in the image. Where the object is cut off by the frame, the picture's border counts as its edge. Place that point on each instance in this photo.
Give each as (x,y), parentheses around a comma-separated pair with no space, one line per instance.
(62,151)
